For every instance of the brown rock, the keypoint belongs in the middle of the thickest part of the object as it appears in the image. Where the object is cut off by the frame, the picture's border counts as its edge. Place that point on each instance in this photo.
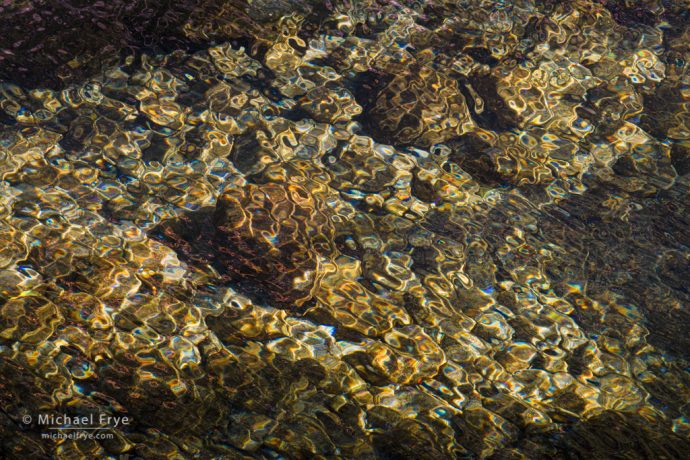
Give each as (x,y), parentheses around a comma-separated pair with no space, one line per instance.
(275,234)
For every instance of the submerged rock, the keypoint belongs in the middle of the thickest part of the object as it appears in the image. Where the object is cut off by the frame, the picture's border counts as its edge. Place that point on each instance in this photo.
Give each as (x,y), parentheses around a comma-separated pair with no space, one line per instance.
(275,234)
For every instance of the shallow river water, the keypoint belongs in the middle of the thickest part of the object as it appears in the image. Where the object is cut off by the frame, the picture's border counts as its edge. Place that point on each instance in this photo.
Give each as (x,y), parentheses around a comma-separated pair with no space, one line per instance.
(351,229)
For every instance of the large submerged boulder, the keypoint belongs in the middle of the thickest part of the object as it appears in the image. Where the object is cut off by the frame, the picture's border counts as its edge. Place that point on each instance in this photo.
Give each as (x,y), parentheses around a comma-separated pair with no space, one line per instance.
(275,234)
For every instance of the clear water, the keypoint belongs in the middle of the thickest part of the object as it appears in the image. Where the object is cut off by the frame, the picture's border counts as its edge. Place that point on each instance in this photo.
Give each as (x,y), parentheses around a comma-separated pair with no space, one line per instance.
(345,229)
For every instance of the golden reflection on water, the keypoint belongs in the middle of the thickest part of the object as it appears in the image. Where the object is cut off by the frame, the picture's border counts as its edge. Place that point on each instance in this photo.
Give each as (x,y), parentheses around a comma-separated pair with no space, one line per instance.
(389,231)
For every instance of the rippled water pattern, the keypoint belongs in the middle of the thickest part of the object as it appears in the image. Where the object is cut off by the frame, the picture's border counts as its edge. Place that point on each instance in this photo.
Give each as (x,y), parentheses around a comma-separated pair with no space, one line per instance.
(350,229)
